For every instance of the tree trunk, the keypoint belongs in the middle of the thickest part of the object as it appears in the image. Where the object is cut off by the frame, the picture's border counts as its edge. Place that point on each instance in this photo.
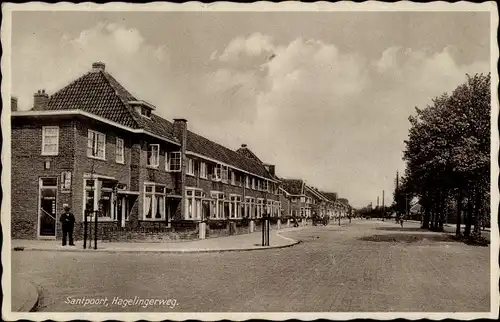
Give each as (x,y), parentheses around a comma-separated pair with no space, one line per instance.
(468,216)
(441,212)
(425,223)
(458,231)
(477,217)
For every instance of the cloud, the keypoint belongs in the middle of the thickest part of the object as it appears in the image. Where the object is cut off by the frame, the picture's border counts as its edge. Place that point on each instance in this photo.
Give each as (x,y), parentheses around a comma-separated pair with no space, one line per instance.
(333,118)
(254,45)
(60,59)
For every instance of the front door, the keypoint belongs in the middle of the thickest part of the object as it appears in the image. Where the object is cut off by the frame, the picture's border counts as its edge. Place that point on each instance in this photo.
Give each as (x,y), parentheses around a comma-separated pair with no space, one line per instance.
(47,214)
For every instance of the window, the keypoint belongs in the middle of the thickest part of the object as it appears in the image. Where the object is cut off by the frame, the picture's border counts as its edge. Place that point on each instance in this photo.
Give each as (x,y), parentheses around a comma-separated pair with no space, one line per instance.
(173,161)
(120,158)
(248,207)
(258,184)
(153,155)
(234,206)
(225,173)
(253,183)
(190,167)
(260,208)
(99,191)
(217,175)
(194,203)
(247,182)
(233,178)
(265,185)
(96,145)
(50,140)
(154,202)
(145,111)
(203,170)
(218,205)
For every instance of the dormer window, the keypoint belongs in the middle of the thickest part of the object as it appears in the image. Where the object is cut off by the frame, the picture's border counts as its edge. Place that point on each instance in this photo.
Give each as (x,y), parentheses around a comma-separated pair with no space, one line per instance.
(145,112)
(142,107)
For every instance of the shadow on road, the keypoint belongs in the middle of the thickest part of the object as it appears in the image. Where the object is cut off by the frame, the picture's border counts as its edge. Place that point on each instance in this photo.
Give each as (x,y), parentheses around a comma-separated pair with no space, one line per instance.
(404,238)
(402,229)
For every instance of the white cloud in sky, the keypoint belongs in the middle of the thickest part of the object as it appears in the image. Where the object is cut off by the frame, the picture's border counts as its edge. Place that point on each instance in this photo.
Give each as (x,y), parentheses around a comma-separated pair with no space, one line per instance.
(55,64)
(330,117)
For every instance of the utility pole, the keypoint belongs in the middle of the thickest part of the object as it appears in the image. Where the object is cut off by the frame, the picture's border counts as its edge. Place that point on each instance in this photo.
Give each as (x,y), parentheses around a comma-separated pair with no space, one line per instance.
(383,204)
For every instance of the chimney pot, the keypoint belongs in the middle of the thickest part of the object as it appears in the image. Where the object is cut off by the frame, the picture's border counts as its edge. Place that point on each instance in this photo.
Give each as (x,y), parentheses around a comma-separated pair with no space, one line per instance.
(243,145)
(40,100)
(98,66)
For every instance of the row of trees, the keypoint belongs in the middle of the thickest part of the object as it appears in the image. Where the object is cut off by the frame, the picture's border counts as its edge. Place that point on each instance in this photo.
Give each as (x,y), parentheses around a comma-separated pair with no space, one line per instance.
(447,157)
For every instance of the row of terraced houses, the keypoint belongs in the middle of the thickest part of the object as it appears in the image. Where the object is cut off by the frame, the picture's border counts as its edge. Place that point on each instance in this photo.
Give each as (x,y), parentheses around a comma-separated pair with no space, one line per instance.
(94,146)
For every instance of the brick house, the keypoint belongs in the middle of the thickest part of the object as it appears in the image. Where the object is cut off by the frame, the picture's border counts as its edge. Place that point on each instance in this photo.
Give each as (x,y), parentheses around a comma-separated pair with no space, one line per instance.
(96,147)
(299,202)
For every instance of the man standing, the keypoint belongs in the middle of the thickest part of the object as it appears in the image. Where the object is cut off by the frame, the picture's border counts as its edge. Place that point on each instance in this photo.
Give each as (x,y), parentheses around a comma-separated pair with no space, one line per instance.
(68,223)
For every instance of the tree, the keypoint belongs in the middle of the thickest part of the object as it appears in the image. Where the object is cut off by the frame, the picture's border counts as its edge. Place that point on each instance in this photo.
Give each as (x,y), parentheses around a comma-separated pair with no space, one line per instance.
(447,155)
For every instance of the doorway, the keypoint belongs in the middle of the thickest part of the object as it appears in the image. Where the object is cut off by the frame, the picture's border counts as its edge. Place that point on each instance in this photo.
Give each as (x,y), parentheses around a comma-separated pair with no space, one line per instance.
(47,210)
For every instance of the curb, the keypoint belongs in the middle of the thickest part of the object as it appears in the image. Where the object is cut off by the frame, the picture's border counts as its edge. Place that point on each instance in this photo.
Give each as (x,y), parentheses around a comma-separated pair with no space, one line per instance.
(171,251)
(31,297)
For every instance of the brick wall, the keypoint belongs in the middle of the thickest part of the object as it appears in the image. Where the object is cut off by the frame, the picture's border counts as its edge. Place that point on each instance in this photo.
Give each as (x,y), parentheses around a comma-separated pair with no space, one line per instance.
(28,166)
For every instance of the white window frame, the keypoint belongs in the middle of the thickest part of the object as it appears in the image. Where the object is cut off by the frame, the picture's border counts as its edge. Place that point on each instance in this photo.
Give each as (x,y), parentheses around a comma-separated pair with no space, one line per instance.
(203,170)
(235,202)
(219,200)
(95,145)
(154,205)
(225,174)
(150,152)
(194,198)
(233,177)
(120,151)
(190,167)
(217,175)
(44,152)
(265,185)
(173,155)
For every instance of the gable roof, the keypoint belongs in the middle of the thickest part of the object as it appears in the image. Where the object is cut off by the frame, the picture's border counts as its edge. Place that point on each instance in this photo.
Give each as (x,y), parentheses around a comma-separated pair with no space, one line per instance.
(293,186)
(99,93)
(244,150)
(316,193)
(198,144)
(332,196)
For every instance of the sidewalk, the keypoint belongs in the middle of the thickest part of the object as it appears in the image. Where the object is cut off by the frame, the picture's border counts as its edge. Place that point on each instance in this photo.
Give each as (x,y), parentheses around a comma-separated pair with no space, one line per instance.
(24,295)
(244,242)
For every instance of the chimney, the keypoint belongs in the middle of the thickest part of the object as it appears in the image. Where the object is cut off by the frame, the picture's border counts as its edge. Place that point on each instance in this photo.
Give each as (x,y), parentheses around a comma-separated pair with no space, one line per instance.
(180,132)
(243,146)
(40,100)
(13,104)
(180,129)
(98,66)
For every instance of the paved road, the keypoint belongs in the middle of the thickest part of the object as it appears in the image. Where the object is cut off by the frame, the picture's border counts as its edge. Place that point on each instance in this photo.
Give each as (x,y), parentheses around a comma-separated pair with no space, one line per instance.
(332,270)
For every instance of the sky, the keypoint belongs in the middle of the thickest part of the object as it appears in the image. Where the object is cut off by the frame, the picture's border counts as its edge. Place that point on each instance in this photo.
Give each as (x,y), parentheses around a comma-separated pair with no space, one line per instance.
(325,96)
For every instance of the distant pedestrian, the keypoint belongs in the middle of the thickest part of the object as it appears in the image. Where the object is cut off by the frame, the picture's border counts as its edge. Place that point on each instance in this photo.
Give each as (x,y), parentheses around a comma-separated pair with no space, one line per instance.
(68,223)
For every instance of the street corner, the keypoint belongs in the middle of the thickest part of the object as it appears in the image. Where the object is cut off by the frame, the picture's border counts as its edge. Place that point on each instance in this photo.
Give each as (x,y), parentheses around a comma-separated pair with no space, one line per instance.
(25,295)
